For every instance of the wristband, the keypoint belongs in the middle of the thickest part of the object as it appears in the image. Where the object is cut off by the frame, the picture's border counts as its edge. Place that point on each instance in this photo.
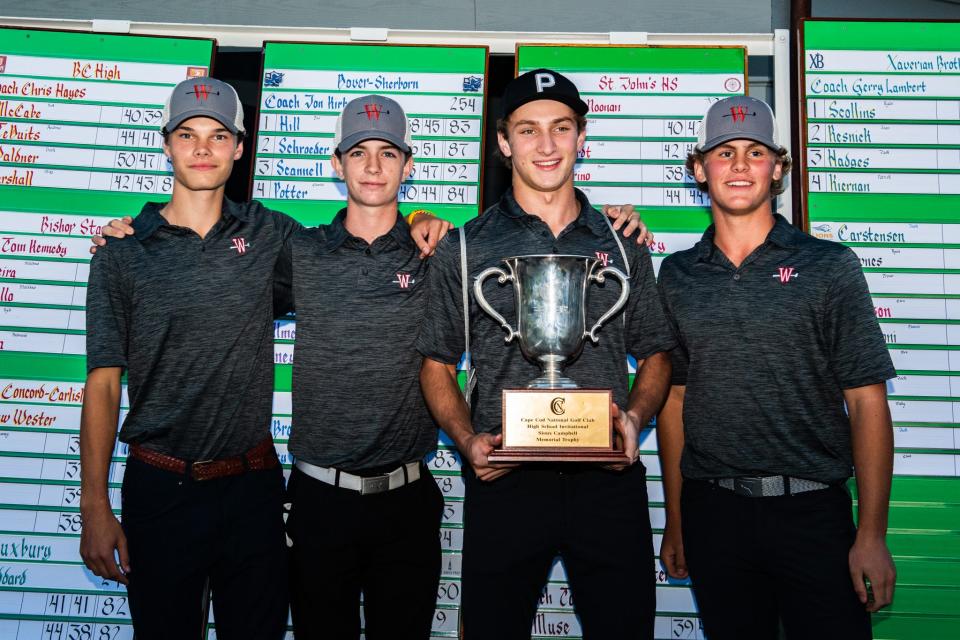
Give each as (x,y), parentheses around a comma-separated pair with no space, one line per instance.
(413,214)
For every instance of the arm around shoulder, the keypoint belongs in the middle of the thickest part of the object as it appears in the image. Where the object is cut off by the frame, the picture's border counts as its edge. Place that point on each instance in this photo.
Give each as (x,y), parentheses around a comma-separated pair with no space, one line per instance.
(427,230)
(286,225)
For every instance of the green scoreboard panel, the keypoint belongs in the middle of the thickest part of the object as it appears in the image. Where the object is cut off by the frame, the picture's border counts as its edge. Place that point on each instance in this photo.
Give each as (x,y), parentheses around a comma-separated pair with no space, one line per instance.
(646,104)
(79,145)
(881,119)
(304,88)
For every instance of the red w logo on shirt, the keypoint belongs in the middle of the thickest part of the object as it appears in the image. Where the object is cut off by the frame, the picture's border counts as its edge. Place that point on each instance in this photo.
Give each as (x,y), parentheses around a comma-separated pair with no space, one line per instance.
(785,273)
(239,245)
(603,257)
(403,279)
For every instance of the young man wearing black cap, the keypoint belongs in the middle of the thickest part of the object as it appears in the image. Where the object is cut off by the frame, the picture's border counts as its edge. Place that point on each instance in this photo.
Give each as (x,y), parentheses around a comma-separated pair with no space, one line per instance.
(185,307)
(519,518)
(776,333)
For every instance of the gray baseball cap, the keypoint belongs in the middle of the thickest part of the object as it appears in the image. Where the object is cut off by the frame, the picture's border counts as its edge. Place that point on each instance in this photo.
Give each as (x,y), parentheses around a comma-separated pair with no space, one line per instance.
(738,118)
(207,97)
(372,117)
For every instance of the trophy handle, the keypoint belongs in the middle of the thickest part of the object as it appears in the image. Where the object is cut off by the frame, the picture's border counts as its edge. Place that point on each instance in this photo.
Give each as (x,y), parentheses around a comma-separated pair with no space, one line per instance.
(478,293)
(599,277)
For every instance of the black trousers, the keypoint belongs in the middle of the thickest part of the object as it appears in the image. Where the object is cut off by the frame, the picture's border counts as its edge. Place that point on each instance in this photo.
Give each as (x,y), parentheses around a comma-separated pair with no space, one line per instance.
(184,536)
(596,520)
(754,561)
(385,545)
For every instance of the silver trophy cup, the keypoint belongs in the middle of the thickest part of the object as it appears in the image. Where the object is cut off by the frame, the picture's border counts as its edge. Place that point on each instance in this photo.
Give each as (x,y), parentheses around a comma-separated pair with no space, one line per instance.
(551,294)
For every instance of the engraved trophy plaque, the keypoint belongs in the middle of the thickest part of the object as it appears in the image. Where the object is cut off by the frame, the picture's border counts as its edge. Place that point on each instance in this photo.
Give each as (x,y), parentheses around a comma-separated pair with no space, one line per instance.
(553,419)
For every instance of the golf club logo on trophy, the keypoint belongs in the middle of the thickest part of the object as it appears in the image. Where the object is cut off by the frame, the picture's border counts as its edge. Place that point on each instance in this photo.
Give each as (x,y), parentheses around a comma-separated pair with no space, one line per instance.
(553,418)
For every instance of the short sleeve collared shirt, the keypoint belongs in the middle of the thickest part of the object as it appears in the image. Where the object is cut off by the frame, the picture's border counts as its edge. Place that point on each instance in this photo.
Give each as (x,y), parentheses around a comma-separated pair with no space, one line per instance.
(507,230)
(190,319)
(357,403)
(766,350)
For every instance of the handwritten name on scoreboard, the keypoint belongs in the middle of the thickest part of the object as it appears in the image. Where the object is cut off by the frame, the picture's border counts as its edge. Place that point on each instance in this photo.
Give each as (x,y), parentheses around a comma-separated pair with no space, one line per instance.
(305,87)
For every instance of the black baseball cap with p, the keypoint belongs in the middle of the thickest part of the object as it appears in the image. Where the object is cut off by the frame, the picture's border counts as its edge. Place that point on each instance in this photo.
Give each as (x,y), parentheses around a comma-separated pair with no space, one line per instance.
(542,84)
(207,97)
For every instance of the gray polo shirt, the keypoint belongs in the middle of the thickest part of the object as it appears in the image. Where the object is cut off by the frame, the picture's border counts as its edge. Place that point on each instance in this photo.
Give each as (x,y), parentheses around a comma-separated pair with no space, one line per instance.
(506,230)
(190,319)
(766,351)
(357,403)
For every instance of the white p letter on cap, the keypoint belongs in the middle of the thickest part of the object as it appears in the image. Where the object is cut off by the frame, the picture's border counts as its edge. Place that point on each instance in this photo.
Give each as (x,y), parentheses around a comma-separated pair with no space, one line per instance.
(544,81)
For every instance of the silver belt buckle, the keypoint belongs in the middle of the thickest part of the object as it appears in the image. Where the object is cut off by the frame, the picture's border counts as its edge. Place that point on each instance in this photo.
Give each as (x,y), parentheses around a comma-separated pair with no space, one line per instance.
(752,487)
(374,484)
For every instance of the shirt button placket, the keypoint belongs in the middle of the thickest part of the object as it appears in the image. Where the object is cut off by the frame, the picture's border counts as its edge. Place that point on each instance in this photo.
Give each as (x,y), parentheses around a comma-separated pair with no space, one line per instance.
(365,270)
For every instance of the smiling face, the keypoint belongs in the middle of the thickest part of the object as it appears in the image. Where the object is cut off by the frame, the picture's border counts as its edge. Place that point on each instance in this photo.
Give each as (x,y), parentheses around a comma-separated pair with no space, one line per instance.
(202,152)
(372,171)
(542,141)
(739,175)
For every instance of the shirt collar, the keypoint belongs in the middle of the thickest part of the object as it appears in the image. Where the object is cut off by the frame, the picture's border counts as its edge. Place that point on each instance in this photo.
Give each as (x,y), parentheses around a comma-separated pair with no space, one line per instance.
(337,232)
(783,234)
(588,216)
(150,218)
(400,232)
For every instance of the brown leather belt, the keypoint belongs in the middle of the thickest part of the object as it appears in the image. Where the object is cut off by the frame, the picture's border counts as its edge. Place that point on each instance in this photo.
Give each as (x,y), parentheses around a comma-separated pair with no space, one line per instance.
(261,456)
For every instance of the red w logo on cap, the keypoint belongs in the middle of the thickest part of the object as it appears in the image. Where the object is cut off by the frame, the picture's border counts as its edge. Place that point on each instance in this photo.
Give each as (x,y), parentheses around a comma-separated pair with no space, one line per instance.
(202,92)
(373,111)
(738,113)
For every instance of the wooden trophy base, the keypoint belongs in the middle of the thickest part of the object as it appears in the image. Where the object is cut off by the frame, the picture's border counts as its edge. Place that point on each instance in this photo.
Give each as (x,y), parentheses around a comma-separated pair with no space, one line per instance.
(557,425)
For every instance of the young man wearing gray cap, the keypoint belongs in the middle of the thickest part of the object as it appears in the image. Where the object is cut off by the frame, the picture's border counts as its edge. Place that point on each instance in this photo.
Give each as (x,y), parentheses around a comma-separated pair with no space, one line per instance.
(776,332)
(185,307)
(519,518)
(364,512)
